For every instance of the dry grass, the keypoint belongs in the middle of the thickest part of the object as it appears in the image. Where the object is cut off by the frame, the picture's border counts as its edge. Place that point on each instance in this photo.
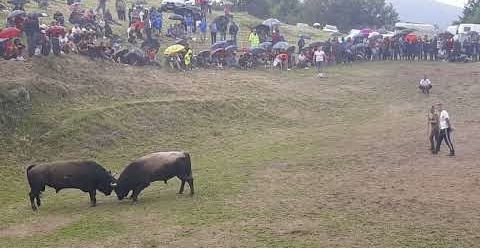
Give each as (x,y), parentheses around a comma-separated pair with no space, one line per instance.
(281,159)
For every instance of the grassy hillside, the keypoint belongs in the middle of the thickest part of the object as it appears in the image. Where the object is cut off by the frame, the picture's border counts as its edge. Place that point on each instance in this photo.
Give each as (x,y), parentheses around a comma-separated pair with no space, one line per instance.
(245,22)
(281,159)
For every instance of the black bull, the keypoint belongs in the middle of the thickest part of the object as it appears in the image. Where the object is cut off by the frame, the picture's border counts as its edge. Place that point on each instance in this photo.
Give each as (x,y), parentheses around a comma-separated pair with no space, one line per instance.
(87,176)
(160,166)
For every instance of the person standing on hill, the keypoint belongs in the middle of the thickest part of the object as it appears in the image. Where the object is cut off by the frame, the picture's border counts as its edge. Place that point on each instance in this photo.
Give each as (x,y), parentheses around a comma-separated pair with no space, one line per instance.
(32,31)
(254,39)
(121,8)
(203,30)
(213,32)
(319,56)
(301,43)
(233,31)
(445,130)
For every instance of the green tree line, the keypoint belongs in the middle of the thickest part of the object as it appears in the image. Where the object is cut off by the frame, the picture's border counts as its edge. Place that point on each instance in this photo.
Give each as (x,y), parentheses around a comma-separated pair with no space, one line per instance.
(345,14)
(471,12)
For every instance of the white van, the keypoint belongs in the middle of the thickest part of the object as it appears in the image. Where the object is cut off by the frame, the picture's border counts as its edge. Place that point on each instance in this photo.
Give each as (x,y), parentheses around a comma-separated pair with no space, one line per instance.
(467,27)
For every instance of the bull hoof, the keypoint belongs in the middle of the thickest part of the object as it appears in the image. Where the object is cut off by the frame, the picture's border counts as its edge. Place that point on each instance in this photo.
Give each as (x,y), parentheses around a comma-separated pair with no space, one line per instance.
(180,193)
(34,208)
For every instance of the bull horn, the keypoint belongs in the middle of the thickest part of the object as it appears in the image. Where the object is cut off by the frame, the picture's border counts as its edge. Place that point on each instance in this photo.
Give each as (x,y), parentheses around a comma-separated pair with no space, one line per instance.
(113,184)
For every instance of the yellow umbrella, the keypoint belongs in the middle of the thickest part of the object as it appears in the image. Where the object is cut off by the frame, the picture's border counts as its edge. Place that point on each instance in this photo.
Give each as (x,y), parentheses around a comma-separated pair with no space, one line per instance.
(174,49)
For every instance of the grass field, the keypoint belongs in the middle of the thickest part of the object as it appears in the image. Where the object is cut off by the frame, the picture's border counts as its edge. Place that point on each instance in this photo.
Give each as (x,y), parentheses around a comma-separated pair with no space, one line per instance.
(280,159)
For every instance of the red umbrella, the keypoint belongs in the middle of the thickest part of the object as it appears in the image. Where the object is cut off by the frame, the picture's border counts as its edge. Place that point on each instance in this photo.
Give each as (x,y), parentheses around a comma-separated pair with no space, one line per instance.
(9,33)
(366,31)
(411,37)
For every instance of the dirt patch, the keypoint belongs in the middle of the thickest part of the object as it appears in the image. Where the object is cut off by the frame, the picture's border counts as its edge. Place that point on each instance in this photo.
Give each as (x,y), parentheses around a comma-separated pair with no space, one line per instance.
(41,225)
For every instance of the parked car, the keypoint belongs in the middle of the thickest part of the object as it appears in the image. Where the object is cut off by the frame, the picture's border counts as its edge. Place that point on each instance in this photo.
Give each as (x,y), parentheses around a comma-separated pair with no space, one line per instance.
(174,4)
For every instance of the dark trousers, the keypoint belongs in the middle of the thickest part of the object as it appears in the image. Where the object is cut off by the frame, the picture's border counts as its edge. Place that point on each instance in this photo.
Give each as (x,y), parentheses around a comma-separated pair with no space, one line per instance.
(445,135)
(434,134)
(214,37)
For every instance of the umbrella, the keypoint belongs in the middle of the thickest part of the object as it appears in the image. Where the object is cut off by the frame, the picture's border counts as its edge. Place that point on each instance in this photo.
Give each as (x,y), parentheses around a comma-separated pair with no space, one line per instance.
(231,48)
(227,3)
(266,45)
(257,50)
(39,14)
(411,37)
(374,35)
(182,42)
(317,25)
(173,49)
(15,13)
(360,35)
(366,31)
(271,22)
(218,52)
(184,11)
(204,54)
(291,49)
(445,35)
(176,17)
(404,32)
(120,52)
(219,44)
(9,33)
(281,46)
(262,29)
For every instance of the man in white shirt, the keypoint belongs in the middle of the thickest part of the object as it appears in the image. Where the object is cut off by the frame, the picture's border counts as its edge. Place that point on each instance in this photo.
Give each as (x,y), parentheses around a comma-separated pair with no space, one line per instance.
(445,129)
(425,85)
(319,56)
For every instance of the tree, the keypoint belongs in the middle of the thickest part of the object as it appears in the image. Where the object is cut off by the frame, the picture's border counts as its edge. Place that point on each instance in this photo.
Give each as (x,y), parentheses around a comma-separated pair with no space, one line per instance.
(285,10)
(348,14)
(471,12)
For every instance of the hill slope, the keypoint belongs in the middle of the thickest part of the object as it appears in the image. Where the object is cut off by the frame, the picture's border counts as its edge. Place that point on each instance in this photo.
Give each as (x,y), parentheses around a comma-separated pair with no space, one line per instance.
(426,11)
(281,159)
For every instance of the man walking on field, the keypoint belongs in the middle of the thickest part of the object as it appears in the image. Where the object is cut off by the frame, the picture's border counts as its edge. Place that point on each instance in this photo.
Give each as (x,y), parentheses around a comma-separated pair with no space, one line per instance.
(445,130)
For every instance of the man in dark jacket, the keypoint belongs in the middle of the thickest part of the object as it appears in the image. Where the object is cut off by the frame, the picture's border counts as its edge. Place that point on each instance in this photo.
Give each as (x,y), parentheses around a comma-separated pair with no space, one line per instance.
(32,31)
(301,44)
(233,31)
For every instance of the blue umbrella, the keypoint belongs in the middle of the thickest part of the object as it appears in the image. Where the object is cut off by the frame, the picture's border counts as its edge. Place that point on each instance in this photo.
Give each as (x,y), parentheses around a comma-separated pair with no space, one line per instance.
(219,44)
(257,50)
(281,46)
(266,45)
(231,48)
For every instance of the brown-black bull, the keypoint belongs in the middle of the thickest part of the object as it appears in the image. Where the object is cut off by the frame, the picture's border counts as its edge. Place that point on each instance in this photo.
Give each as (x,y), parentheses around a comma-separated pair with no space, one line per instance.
(160,166)
(88,176)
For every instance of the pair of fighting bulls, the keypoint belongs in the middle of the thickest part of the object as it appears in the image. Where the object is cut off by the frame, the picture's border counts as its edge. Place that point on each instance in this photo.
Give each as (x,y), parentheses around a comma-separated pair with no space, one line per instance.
(89,176)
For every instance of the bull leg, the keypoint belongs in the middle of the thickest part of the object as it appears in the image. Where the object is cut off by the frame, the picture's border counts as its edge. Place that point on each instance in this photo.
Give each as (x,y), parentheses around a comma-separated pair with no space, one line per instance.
(39,202)
(32,198)
(190,184)
(137,191)
(181,187)
(93,199)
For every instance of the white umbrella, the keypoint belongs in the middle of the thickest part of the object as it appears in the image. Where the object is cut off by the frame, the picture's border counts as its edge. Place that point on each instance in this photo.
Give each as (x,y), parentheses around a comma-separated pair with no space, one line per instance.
(271,22)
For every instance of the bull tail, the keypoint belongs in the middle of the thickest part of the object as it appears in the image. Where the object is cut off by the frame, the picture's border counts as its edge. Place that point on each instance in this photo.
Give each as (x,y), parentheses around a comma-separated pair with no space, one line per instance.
(29,176)
(188,164)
